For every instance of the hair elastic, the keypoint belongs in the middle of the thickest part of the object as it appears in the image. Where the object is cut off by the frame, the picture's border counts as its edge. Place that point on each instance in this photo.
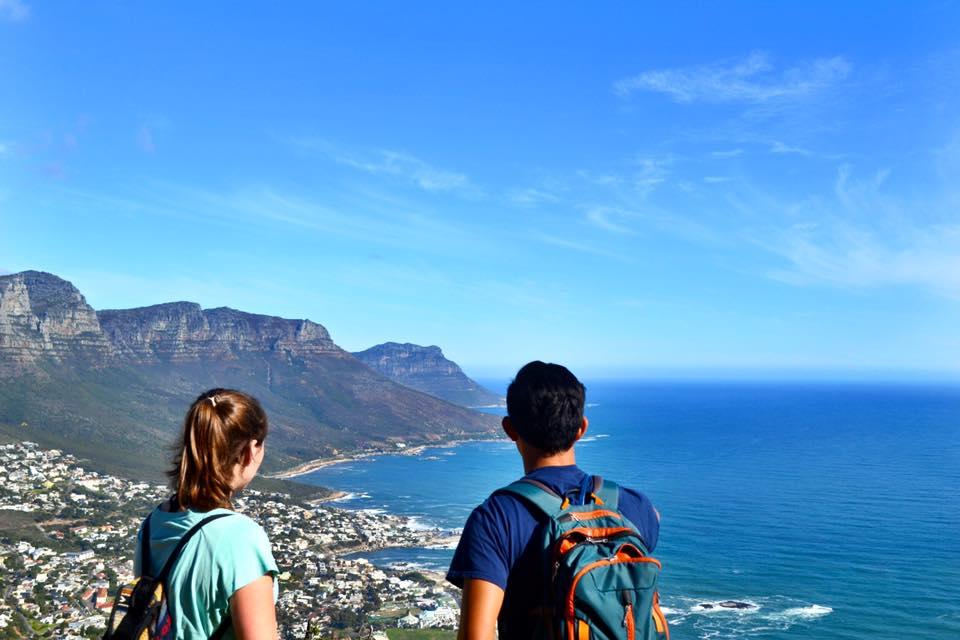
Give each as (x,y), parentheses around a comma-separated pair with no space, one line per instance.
(213,400)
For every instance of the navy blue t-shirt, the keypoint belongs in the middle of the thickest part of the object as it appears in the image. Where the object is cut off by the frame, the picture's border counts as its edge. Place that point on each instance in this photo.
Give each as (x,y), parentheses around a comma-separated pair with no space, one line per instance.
(496,544)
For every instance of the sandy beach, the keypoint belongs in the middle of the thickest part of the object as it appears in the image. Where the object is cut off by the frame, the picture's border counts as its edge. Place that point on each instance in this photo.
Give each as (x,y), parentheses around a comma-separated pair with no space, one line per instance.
(320,463)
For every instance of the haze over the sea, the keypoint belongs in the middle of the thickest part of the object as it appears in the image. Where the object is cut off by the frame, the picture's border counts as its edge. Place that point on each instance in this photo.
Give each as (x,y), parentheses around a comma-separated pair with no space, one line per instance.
(701,190)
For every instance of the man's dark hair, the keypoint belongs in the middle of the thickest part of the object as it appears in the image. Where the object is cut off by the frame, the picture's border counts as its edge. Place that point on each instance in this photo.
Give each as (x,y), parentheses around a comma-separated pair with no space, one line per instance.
(545,405)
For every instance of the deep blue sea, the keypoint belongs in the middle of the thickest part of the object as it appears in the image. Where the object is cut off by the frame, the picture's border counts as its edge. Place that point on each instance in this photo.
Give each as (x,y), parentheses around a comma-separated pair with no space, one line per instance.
(833,508)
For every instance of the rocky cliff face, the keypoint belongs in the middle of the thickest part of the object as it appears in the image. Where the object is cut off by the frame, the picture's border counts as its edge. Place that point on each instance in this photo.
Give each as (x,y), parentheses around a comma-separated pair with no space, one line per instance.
(426,369)
(183,332)
(113,384)
(407,360)
(43,317)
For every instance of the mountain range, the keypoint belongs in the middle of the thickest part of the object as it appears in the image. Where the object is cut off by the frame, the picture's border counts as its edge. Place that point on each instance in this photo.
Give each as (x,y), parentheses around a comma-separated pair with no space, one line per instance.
(113,385)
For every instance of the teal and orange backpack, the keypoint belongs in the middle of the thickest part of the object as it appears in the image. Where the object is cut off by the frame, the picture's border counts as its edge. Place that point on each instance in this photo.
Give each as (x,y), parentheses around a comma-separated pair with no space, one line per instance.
(602,581)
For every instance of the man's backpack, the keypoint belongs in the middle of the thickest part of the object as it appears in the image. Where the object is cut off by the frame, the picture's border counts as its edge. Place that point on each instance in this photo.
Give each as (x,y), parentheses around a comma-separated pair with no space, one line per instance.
(140,610)
(602,581)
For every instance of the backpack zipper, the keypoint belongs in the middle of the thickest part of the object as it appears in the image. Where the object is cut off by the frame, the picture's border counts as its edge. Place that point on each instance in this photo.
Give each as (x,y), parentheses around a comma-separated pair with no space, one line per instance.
(564,544)
(659,619)
(628,621)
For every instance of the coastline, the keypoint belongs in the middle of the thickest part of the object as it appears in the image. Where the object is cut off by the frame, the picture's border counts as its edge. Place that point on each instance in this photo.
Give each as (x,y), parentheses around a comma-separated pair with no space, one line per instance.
(321,463)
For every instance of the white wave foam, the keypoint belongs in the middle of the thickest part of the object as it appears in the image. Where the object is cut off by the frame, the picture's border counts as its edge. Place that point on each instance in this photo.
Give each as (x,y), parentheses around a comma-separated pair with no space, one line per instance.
(351,496)
(447,543)
(414,523)
(731,617)
(595,437)
(809,612)
(718,606)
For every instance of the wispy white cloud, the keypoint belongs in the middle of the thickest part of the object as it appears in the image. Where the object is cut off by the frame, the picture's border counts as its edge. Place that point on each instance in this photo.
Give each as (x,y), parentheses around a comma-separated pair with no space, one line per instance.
(840,253)
(397,164)
(611,219)
(600,179)
(651,173)
(753,79)
(716,179)
(14,10)
(866,238)
(579,247)
(780,148)
(144,139)
(532,197)
(727,153)
(364,218)
(409,167)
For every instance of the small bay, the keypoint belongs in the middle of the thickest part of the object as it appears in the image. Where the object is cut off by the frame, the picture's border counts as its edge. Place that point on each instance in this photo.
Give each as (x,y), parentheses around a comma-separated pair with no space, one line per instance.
(831,507)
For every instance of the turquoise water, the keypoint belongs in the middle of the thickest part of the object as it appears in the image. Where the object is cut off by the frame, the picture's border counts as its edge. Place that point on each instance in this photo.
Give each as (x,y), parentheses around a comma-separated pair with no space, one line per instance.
(835,509)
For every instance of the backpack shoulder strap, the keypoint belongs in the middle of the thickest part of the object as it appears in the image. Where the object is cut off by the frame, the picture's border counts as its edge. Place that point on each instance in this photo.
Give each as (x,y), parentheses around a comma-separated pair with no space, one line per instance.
(538,494)
(222,628)
(184,539)
(608,492)
(145,546)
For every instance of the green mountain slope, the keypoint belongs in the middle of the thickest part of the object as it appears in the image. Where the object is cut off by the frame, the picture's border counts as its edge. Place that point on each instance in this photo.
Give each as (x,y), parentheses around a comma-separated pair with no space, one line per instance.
(113,386)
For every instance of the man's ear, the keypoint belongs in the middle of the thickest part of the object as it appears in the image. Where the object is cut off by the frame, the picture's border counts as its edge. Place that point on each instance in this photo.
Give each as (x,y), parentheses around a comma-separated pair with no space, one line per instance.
(508,429)
(583,428)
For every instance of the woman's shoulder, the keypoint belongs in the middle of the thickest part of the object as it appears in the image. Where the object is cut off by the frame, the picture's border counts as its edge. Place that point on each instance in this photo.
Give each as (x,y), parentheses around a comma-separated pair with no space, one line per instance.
(232,523)
(238,545)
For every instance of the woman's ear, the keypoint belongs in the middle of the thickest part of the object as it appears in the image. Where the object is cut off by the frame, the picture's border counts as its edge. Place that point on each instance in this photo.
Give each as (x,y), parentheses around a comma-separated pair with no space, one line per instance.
(249,453)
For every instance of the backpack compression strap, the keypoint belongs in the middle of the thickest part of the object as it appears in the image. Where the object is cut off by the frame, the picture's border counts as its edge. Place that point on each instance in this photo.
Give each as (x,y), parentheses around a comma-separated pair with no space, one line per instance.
(608,492)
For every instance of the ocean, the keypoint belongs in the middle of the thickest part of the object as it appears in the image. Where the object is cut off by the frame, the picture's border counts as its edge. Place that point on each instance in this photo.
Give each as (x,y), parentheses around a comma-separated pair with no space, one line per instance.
(833,509)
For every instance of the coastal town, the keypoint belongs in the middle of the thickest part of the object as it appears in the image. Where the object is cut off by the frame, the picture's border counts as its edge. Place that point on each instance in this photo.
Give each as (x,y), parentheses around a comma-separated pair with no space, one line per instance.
(67,537)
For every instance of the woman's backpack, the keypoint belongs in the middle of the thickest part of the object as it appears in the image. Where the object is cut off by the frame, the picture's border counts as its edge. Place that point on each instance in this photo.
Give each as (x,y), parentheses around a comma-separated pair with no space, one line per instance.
(140,609)
(603,583)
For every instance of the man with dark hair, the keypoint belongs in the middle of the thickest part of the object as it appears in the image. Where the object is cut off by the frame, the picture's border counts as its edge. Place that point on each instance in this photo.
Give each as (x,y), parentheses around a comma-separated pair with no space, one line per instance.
(495,563)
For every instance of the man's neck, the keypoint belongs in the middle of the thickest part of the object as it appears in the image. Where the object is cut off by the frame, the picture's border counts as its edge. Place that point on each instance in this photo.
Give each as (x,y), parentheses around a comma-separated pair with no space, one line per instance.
(533,460)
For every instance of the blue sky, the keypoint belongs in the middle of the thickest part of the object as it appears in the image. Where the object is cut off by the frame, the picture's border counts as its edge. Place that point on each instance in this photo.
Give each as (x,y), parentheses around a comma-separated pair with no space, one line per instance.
(750,189)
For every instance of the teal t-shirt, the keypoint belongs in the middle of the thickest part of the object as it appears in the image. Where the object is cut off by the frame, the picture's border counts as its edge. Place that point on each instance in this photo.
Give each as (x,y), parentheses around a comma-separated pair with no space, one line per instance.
(225,555)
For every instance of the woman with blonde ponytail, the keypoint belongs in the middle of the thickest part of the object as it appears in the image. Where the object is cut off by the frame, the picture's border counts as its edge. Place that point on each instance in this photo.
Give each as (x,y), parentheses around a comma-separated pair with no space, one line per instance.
(223,581)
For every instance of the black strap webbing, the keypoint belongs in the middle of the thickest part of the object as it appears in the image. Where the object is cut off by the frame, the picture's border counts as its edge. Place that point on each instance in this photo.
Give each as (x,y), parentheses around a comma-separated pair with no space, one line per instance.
(222,627)
(145,547)
(184,539)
